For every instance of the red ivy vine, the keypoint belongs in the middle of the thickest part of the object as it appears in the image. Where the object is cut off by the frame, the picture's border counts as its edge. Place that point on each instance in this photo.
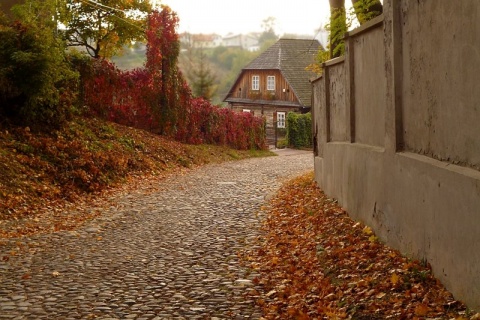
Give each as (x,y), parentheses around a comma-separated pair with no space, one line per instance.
(157,97)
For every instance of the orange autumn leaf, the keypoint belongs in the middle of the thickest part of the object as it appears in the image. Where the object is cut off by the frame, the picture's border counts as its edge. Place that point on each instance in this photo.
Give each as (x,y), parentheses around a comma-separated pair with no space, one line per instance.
(323,263)
(421,310)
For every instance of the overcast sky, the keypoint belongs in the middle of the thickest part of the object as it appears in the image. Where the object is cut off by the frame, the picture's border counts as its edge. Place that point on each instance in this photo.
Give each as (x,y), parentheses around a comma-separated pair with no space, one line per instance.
(243,16)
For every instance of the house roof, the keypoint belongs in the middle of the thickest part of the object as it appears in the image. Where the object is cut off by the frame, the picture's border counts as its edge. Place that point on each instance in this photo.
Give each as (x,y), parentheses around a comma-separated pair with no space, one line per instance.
(290,57)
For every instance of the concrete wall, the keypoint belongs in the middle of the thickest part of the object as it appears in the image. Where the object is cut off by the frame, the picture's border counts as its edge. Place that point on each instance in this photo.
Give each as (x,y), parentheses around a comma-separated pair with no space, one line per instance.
(368,91)
(398,134)
(447,65)
(338,130)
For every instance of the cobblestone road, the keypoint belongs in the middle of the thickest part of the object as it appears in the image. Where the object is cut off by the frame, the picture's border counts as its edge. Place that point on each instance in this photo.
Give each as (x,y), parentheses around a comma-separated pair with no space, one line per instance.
(171,254)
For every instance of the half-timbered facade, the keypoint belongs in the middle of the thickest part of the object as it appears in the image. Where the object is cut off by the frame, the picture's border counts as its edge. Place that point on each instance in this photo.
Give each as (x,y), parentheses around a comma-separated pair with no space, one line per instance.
(276,83)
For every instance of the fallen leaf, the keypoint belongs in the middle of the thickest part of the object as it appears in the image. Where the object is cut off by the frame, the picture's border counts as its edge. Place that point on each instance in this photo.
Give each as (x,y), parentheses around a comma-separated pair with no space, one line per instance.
(421,310)
(380,295)
(367,230)
(394,278)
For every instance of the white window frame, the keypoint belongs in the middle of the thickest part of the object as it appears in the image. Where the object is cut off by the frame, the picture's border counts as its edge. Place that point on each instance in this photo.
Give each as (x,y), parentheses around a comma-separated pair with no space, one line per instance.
(255,82)
(281,118)
(271,83)
(246,110)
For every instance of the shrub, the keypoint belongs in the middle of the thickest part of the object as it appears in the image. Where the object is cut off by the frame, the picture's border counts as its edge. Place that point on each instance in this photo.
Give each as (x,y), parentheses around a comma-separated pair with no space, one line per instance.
(282,143)
(299,130)
(37,83)
(157,97)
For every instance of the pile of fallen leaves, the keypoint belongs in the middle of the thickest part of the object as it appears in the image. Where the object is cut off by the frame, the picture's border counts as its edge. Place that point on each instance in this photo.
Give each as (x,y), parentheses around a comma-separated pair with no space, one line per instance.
(42,174)
(316,263)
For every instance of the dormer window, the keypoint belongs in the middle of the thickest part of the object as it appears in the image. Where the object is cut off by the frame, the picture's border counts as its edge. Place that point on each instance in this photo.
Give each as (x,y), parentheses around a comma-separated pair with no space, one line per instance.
(255,82)
(271,83)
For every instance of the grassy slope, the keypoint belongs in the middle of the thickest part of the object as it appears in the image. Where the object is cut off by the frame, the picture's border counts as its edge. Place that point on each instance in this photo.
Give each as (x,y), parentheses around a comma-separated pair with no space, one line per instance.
(42,173)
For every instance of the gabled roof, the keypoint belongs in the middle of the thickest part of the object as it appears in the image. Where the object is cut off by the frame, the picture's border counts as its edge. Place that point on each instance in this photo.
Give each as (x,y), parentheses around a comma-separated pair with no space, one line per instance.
(291,57)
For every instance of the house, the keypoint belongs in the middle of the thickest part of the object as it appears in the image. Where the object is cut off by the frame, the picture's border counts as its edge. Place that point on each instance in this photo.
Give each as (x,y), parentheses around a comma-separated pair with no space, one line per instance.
(245,41)
(276,83)
(200,40)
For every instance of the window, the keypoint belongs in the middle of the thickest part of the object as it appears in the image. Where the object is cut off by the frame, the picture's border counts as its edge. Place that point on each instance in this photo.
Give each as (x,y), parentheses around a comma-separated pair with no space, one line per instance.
(255,82)
(271,83)
(280,119)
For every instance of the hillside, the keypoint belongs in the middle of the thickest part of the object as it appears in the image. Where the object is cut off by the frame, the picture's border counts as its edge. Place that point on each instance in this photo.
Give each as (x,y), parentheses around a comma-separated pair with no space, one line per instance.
(43,173)
(224,64)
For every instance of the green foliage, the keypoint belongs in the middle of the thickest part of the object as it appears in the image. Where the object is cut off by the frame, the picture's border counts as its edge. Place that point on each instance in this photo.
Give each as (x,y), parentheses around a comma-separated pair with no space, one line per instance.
(340,22)
(321,56)
(338,27)
(282,143)
(202,79)
(366,10)
(224,62)
(299,130)
(103,27)
(38,85)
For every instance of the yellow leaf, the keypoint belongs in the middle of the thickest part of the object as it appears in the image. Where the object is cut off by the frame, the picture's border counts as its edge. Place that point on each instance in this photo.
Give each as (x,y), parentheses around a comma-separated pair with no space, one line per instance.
(367,230)
(394,279)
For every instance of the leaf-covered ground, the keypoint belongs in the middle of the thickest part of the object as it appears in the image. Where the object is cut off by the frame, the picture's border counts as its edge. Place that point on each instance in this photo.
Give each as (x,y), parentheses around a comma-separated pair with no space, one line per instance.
(43,174)
(317,263)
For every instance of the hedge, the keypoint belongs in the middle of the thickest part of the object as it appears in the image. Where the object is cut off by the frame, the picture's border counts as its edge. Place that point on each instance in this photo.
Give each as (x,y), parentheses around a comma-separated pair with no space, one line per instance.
(299,130)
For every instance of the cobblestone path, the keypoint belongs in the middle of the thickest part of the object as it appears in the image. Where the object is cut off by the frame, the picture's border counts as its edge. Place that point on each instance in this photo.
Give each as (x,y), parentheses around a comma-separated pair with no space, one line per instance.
(171,254)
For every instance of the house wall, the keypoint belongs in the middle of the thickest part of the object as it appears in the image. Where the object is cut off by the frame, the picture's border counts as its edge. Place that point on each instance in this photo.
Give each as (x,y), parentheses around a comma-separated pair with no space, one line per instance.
(6,5)
(398,141)
(266,111)
(243,88)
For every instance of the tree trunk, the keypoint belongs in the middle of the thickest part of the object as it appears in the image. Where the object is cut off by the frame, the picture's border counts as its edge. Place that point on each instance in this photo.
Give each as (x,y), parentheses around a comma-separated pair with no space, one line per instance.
(338,27)
(367,9)
(337,4)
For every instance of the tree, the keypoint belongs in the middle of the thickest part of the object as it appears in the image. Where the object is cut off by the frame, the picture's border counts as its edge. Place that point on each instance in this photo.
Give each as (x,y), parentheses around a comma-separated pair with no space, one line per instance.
(202,79)
(338,27)
(163,49)
(364,10)
(103,27)
(268,35)
(37,84)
